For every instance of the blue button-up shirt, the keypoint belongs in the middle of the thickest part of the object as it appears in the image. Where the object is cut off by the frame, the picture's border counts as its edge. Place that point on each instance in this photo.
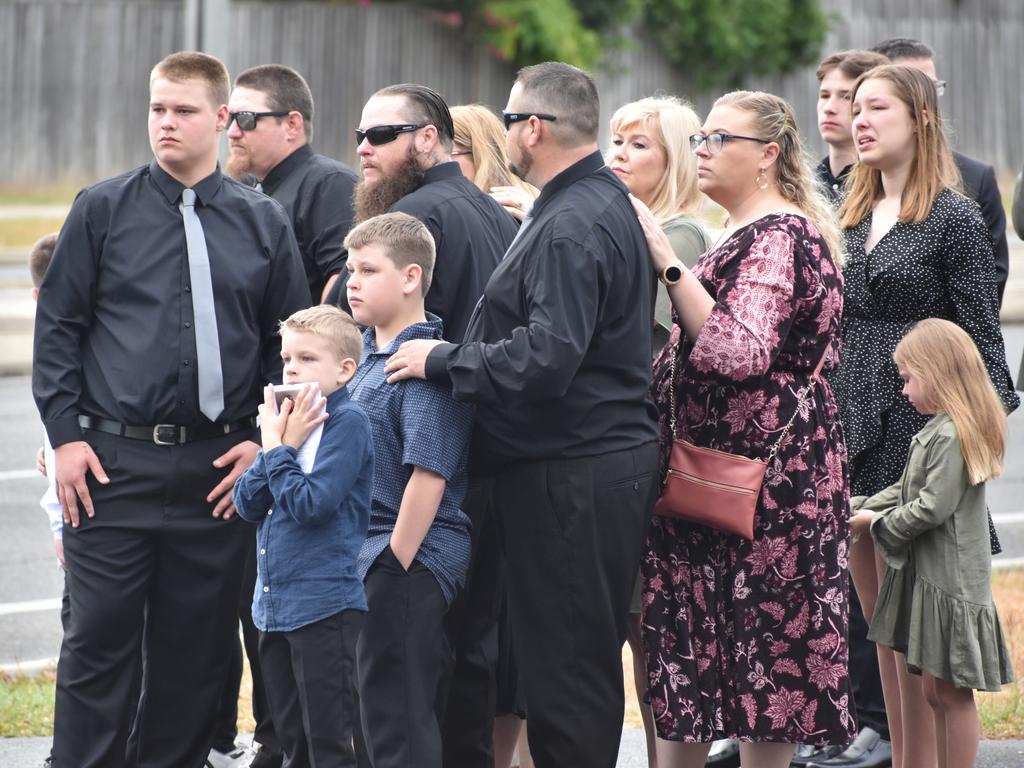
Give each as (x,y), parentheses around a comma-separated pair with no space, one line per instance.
(311,526)
(415,424)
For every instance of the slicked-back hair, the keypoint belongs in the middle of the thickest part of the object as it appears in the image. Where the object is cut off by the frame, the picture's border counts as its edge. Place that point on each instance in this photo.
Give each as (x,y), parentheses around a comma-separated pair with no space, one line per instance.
(404,239)
(566,92)
(898,48)
(39,257)
(424,106)
(192,65)
(851,64)
(285,89)
(331,323)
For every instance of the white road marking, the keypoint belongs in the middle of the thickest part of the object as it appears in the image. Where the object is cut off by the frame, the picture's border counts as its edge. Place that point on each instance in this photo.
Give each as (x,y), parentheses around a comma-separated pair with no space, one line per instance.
(29,606)
(20,474)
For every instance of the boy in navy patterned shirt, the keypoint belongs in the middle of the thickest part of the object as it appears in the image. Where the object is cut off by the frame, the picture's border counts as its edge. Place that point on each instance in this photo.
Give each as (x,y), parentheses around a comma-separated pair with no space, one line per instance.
(309,602)
(417,552)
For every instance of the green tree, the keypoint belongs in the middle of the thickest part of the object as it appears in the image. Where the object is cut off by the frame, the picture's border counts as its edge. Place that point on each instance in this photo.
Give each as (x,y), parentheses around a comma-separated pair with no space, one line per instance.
(722,42)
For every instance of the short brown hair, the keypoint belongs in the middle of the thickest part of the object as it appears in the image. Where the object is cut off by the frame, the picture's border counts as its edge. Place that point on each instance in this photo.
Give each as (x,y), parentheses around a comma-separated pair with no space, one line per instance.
(333,324)
(39,257)
(851,64)
(566,92)
(191,65)
(286,91)
(404,238)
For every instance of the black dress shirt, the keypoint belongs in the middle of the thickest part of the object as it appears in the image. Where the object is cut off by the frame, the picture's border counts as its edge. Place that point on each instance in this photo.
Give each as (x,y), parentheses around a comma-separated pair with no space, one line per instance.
(114,334)
(980,185)
(471,233)
(316,191)
(832,186)
(557,355)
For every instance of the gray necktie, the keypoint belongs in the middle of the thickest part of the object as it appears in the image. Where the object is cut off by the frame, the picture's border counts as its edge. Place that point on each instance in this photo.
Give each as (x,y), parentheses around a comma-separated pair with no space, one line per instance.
(527,221)
(211,381)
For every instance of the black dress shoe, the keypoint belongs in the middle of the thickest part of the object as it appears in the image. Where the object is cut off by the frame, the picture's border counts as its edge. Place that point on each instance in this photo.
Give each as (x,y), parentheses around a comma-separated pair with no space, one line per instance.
(868,750)
(724,754)
(808,753)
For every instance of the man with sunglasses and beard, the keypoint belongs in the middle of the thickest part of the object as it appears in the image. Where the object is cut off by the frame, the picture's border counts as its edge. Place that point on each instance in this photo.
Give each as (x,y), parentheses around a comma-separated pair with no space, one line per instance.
(270,128)
(405,141)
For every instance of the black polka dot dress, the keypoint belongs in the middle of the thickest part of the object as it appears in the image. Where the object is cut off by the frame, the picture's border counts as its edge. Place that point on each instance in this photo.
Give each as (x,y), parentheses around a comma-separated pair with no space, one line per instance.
(941,267)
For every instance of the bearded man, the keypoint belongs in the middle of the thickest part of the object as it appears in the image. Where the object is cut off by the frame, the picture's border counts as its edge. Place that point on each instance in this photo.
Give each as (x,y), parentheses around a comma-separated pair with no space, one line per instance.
(405,142)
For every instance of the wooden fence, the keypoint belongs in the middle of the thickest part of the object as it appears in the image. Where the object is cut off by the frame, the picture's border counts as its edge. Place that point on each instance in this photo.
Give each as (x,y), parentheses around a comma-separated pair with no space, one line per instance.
(74,73)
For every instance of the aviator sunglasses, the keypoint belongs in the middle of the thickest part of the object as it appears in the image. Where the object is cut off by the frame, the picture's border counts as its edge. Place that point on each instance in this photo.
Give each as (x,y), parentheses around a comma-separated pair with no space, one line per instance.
(384,134)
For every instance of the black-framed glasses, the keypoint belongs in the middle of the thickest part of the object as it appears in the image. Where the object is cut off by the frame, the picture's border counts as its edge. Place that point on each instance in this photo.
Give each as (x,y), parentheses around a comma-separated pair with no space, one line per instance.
(247,120)
(715,141)
(940,86)
(384,134)
(518,117)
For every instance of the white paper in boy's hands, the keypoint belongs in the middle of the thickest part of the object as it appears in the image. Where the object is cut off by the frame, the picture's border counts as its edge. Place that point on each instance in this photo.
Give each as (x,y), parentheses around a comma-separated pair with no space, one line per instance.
(307,451)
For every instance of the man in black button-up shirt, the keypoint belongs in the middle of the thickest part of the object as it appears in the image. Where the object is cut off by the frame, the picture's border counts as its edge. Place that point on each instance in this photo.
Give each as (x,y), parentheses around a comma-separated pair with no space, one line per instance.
(115,343)
(414,173)
(316,191)
(557,360)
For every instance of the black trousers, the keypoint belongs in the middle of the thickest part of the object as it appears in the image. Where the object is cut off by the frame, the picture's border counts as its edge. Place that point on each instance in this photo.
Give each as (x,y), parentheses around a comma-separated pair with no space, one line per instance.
(227,719)
(573,532)
(309,673)
(864,675)
(467,728)
(153,573)
(399,660)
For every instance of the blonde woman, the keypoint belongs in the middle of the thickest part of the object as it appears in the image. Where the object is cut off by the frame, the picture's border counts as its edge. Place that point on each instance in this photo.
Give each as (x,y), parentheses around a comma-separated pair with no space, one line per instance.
(649,154)
(935,605)
(747,638)
(916,248)
(479,149)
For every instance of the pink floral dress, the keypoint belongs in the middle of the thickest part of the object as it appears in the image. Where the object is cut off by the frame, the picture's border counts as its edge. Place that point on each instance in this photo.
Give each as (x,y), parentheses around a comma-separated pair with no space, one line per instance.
(747,639)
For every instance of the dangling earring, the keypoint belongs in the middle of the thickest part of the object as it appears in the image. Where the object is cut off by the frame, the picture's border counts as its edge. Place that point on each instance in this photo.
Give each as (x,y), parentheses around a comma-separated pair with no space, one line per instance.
(762,179)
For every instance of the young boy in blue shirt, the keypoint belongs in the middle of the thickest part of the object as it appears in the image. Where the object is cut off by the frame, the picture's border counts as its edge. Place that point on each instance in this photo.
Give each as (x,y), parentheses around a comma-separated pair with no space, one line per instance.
(417,550)
(309,601)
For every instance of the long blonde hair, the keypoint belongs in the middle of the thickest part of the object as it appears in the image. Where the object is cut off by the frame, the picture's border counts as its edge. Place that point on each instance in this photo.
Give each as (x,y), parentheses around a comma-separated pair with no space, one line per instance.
(775,121)
(669,122)
(481,132)
(956,382)
(932,167)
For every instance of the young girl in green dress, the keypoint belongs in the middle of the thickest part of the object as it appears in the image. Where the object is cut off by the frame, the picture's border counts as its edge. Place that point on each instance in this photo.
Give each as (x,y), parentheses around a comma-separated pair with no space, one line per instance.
(935,602)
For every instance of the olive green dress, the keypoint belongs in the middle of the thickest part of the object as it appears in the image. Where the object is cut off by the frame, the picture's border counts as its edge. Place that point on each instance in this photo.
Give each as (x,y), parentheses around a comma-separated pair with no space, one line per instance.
(935,602)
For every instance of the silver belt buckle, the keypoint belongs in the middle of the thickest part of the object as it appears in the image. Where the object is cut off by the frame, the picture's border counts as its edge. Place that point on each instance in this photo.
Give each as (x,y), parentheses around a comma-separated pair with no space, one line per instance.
(161,432)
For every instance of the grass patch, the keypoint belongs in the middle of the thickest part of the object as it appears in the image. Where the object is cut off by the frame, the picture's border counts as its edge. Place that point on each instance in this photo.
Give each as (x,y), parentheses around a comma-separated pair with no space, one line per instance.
(22,233)
(23,194)
(26,705)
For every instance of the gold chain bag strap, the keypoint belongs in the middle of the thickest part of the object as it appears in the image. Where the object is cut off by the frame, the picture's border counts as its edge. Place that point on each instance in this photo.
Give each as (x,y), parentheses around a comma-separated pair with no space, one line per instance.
(712,487)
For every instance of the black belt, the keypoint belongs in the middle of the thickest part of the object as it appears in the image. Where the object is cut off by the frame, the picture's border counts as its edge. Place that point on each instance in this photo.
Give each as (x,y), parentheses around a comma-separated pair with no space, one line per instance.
(166,434)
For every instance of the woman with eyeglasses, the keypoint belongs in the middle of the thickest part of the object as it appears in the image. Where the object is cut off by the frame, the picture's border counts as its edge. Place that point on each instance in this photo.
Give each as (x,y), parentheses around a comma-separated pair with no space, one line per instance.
(648,152)
(746,638)
(479,149)
(917,248)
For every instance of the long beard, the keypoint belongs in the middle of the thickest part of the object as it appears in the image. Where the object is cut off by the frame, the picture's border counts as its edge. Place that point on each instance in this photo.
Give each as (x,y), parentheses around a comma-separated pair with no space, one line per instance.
(374,200)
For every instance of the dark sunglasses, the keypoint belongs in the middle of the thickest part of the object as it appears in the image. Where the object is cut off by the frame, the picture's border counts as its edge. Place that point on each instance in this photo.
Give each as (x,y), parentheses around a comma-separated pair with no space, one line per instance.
(518,117)
(384,134)
(247,120)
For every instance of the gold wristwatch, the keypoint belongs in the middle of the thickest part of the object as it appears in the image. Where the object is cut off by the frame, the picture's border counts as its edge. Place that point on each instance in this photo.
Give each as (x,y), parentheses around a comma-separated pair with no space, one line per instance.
(672,274)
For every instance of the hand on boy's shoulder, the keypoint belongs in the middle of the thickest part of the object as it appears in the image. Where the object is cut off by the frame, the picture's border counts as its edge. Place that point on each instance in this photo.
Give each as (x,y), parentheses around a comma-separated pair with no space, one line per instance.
(410,360)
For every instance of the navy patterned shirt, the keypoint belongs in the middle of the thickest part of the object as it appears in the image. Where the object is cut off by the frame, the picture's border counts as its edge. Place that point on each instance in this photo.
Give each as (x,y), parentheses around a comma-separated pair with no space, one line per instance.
(415,424)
